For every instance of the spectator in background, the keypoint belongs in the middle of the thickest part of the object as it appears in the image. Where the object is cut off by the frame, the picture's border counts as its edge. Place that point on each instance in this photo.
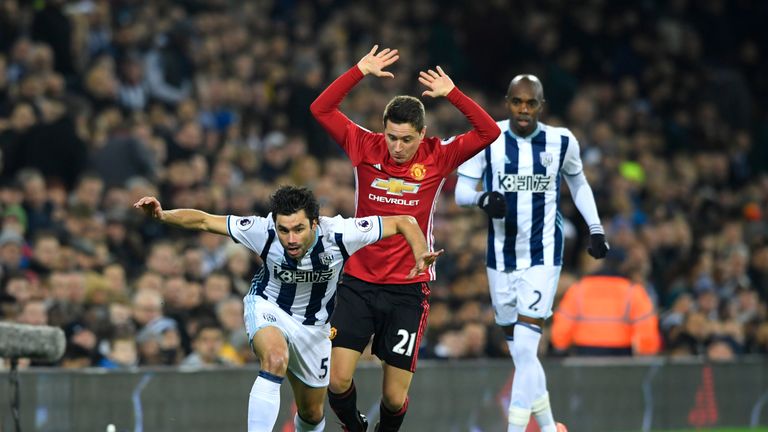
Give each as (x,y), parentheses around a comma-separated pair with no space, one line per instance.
(33,312)
(169,67)
(217,287)
(11,254)
(159,343)
(53,27)
(121,353)
(229,313)
(125,154)
(206,348)
(46,249)
(606,314)
(132,91)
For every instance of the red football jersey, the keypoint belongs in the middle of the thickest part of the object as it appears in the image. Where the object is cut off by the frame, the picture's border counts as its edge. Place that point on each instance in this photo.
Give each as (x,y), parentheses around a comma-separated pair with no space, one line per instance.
(386,188)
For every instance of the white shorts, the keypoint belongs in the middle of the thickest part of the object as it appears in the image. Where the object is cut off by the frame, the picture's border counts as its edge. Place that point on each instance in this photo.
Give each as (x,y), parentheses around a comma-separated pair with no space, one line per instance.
(309,346)
(529,292)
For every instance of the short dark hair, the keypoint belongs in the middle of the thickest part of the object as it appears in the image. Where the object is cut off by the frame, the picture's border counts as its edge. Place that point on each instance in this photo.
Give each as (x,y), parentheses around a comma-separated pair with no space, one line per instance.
(405,109)
(290,199)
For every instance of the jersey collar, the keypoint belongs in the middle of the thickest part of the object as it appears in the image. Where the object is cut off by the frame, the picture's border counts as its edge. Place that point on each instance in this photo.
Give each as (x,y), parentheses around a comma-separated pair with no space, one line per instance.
(526,138)
(317,236)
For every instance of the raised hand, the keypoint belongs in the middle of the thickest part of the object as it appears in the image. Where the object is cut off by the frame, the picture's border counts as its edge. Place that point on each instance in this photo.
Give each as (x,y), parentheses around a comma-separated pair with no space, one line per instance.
(425,260)
(151,207)
(438,82)
(374,63)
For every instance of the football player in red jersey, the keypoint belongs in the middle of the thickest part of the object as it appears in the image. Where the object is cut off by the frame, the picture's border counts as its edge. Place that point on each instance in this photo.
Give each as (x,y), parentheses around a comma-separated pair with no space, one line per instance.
(399,171)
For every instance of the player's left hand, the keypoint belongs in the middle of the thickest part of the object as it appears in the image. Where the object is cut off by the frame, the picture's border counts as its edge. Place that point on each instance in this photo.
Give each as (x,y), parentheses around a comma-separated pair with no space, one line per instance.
(438,82)
(598,246)
(425,260)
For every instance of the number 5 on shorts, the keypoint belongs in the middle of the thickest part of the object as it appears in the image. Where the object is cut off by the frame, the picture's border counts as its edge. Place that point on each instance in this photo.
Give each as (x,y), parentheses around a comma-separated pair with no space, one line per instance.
(406,339)
(324,367)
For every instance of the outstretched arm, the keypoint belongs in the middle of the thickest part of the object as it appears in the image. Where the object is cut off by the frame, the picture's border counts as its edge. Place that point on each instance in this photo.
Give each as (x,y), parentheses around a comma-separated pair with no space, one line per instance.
(183,218)
(325,108)
(409,228)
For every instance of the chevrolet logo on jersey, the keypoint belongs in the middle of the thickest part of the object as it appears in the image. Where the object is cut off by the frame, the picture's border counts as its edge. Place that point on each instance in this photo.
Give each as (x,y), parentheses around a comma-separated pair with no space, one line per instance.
(526,183)
(395,186)
(302,276)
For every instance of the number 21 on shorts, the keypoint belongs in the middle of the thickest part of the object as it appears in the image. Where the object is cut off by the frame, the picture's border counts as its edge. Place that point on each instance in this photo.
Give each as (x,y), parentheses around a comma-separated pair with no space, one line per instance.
(406,338)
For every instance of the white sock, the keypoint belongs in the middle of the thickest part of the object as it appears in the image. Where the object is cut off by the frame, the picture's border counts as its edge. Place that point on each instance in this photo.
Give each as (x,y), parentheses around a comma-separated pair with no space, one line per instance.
(543,413)
(518,419)
(264,402)
(528,375)
(303,426)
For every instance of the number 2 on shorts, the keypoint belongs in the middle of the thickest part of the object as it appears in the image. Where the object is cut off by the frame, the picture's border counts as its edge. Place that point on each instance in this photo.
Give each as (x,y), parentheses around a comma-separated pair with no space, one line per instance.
(406,339)
(538,298)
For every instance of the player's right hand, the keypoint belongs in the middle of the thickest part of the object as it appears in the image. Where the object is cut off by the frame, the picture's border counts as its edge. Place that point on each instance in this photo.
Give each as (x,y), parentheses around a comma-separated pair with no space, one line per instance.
(425,260)
(151,207)
(493,203)
(374,63)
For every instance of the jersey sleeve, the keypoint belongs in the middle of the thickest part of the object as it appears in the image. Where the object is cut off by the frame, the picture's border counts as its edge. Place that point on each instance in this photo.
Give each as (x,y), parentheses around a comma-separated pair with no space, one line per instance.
(353,234)
(251,231)
(485,131)
(351,137)
(572,163)
(359,141)
(474,167)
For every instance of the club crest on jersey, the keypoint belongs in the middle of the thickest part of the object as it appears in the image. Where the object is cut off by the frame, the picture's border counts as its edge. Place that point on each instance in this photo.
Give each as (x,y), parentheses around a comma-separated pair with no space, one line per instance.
(363,225)
(245,223)
(326,258)
(395,186)
(546,159)
(418,171)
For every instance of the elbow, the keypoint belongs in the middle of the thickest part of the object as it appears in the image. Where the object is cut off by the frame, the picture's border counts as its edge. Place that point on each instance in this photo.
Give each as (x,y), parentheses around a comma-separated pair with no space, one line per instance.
(494,132)
(489,135)
(404,221)
(315,108)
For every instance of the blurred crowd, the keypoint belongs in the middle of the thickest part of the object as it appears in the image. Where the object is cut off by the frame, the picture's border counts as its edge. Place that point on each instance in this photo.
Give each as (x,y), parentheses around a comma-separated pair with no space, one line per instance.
(204,103)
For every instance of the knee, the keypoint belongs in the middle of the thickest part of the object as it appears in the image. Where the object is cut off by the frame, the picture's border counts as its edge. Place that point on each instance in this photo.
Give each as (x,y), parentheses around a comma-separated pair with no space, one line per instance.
(522,350)
(275,362)
(394,400)
(311,414)
(525,349)
(339,383)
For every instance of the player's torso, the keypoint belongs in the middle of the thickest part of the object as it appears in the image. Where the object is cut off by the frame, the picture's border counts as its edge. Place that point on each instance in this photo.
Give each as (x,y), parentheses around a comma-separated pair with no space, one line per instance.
(527,170)
(526,165)
(302,287)
(387,189)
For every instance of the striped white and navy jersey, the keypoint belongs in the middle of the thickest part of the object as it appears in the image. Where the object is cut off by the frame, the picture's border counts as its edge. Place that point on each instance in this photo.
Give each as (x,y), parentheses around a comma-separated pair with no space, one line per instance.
(305,288)
(528,171)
